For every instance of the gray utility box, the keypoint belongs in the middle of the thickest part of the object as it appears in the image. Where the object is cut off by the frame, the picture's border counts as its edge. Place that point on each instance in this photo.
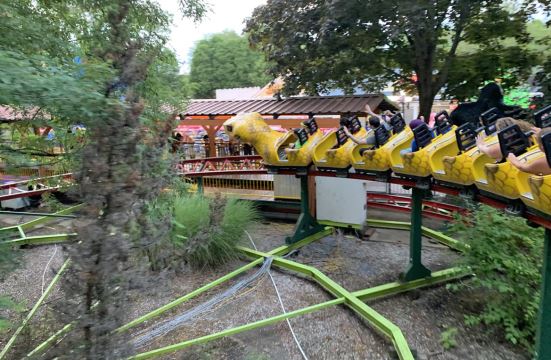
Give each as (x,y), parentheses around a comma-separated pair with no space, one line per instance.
(341,200)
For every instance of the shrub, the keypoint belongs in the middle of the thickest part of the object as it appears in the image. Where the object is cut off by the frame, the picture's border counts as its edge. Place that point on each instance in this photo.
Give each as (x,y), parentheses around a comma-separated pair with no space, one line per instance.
(156,224)
(506,256)
(447,338)
(208,229)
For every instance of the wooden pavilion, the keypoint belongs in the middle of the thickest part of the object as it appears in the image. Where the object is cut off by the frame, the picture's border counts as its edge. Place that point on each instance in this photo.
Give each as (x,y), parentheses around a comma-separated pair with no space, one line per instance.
(288,112)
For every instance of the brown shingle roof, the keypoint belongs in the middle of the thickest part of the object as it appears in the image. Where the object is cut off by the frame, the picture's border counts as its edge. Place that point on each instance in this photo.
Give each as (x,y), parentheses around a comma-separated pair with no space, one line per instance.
(318,105)
(9,114)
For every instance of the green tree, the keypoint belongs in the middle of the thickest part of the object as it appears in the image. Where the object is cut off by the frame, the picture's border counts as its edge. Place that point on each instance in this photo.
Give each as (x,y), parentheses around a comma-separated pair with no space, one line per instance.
(225,60)
(316,45)
(123,90)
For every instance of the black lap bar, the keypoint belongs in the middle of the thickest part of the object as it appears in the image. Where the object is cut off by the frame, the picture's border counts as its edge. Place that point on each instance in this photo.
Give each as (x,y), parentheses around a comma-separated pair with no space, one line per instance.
(422,135)
(513,140)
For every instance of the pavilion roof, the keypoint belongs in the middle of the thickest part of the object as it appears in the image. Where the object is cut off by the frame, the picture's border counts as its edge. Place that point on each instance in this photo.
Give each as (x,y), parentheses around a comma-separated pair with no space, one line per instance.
(298,105)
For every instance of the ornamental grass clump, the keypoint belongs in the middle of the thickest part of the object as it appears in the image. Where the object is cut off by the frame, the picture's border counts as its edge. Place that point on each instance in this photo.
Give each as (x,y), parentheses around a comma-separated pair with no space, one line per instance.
(207,230)
(506,256)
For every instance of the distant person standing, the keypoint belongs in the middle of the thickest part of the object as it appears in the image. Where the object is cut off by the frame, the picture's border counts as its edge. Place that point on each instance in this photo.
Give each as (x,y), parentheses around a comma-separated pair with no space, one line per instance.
(207,147)
(247,149)
(175,142)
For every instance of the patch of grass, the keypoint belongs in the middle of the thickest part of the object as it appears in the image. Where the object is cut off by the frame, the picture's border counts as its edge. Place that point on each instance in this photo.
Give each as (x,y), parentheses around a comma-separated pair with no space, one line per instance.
(208,229)
(447,338)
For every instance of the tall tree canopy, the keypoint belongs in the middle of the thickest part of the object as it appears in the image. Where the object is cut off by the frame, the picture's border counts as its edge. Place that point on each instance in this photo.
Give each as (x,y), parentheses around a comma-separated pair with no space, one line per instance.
(102,64)
(225,60)
(319,44)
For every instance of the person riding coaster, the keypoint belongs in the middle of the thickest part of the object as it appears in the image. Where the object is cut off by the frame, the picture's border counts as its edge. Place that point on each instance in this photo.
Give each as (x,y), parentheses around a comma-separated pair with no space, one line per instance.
(500,179)
(458,166)
(375,159)
(374,122)
(534,178)
(413,161)
(332,153)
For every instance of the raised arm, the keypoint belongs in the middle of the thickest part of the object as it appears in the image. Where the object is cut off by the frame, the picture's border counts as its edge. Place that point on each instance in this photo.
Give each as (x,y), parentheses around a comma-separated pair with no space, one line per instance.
(370,112)
(492,151)
(353,138)
(536,167)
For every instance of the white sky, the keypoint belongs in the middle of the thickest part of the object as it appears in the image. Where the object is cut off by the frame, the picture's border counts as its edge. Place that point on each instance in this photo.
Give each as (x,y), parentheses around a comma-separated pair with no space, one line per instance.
(224,15)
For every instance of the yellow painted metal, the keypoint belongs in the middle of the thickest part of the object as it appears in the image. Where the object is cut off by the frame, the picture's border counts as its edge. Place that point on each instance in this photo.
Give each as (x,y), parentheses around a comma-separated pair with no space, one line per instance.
(459,169)
(251,128)
(501,179)
(326,156)
(535,191)
(417,163)
(379,159)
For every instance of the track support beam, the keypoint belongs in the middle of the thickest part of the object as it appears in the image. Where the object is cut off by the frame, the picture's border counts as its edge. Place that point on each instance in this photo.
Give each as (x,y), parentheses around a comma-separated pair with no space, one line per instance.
(416,269)
(306,225)
(543,343)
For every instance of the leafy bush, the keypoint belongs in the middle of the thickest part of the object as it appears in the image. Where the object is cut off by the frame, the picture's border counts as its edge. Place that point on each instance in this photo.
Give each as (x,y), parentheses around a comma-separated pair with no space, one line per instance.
(208,229)
(447,338)
(9,260)
(506,256)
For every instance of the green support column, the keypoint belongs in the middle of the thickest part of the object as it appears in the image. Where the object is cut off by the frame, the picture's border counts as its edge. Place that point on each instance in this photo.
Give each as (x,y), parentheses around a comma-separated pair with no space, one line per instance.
(200,185)
(416,269)
(543,338)
(306,224)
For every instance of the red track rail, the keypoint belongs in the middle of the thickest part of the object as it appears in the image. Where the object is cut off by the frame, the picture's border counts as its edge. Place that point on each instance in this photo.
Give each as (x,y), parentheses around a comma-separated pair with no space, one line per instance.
(220,166)
(34,192)
(530,216)
(431,209)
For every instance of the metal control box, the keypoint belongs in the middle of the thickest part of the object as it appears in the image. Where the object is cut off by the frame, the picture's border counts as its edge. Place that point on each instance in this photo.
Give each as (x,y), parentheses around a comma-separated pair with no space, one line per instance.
(341,200)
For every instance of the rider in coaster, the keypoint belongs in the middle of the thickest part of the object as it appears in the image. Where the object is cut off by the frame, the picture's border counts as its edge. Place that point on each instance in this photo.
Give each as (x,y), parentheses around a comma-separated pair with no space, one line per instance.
(536,167)
(494,150)
(297,144)
(413,124)
(374,122)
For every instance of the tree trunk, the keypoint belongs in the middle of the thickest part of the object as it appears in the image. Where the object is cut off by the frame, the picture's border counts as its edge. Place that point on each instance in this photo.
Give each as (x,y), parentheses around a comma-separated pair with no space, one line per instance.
(425,105)
(425,88)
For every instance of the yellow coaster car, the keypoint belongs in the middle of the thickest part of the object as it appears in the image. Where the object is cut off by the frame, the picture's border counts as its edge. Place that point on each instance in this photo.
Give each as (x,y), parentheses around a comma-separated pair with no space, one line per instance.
(454,163)
(376,160)
(278,150)
(535,190)
(463,167)
(501,179)
(333,151)
(416,164)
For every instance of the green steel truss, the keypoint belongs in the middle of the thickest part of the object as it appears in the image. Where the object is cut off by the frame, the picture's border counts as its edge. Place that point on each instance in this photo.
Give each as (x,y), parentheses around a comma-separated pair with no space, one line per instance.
(307,231)
(23,239)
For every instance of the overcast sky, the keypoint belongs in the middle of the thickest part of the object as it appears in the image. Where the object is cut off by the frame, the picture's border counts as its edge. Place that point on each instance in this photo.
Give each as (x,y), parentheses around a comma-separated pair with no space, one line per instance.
(224,15)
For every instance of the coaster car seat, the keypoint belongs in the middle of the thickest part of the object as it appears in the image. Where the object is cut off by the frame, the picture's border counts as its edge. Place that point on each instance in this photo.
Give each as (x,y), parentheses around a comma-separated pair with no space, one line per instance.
(535,190)
(500,179)
(377,159)
(333,151)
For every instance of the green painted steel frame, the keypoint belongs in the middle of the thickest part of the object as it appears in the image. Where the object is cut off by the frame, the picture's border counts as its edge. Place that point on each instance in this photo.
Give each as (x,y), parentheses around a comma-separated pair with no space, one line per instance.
(33,311)
(306,225)
(543,335)
(416,269)
(38,239)
(353,300)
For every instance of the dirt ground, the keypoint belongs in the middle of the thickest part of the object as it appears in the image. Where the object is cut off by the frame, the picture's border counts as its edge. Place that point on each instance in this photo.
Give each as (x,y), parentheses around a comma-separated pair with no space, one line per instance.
(332,333)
